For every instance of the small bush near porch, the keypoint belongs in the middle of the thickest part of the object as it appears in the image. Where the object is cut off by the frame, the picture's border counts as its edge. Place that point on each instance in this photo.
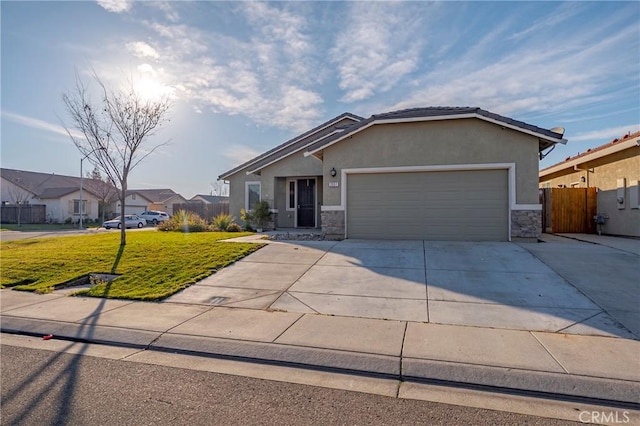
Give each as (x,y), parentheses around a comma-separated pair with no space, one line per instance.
(152,266)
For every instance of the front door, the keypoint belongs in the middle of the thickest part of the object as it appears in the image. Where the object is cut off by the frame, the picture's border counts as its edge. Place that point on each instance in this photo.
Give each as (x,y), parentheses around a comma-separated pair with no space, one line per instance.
(306,203)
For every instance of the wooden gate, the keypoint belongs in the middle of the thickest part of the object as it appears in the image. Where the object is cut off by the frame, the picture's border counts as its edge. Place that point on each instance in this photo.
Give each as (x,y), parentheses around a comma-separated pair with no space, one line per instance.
(569,210)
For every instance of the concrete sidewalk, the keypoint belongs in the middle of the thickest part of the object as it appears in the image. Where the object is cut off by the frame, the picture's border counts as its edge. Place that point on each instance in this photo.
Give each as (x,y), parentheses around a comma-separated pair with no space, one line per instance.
(628,244)
(599,369)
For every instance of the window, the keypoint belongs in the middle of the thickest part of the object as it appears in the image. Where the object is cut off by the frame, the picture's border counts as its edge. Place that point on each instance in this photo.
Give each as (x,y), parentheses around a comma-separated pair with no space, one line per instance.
(252,194)
(76,206)
(291,200)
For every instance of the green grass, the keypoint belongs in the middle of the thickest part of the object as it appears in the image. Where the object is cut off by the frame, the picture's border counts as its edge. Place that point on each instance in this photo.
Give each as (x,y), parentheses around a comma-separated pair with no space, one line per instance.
(153,265)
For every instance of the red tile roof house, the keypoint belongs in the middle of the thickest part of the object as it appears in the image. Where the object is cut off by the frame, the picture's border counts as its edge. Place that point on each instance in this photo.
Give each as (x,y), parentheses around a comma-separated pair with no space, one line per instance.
(612,168)
(60,194)
(439,173)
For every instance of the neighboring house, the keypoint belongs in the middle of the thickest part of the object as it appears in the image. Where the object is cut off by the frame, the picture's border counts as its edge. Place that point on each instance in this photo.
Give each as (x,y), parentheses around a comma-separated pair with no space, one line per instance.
(139,200)
(427,173)
(210,199)
(612,168)
(60,194)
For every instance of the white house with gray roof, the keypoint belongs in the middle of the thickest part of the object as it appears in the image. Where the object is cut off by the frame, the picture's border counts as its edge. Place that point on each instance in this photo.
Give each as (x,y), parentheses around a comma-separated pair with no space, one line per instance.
(60,194)
(439,173)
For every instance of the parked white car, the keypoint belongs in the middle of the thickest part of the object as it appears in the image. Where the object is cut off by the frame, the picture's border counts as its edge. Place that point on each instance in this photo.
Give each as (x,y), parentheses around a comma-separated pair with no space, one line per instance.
(130,221)
(154,216)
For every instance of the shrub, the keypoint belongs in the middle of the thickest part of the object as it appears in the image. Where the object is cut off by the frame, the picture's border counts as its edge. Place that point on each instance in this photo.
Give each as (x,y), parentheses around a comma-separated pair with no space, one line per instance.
(222,221)
(184,221)
(247,217)
(261,213)
(234,227)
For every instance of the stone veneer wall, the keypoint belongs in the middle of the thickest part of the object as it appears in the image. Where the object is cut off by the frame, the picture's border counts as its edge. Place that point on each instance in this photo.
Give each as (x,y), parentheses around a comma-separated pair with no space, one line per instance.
(332,224)
(526,223)
(271,224)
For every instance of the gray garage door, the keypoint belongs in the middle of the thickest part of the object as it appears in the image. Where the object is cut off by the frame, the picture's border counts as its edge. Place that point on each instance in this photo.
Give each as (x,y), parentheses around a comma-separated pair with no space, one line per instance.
(452,205)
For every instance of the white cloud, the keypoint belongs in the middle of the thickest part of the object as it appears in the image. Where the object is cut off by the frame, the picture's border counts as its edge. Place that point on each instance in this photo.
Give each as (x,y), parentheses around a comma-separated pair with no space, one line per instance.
(142,50)
(169,11)
(534,76)
(377,50)
(605,135)
(268,76)
(116,6)
(240,153)
(40,124)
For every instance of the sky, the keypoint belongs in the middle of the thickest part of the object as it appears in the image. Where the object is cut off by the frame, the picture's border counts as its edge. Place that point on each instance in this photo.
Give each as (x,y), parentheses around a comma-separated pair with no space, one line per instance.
(244,77)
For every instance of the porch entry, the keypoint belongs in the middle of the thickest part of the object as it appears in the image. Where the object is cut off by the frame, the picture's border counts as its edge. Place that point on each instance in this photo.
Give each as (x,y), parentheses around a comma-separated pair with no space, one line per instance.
(306,194)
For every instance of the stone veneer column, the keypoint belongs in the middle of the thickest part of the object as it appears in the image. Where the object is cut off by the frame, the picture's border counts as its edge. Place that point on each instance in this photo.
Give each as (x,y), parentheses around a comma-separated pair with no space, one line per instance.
(332,224)
(526,223)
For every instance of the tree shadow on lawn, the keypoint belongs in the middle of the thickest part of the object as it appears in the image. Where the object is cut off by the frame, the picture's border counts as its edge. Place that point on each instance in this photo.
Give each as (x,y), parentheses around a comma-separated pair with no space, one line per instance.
(68,376)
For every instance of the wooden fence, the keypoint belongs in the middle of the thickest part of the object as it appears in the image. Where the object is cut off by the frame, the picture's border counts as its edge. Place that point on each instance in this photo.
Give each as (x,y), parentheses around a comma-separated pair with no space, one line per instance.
(569,210)
(29,213)
(205,211)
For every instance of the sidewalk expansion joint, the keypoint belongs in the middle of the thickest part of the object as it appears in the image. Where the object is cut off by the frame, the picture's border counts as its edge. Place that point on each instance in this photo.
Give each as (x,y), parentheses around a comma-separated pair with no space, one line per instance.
(288,328)
(404,336)
(549,352)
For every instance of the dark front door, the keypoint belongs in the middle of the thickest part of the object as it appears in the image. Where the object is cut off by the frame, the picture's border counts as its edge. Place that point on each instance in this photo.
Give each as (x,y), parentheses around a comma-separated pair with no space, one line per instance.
(306,203)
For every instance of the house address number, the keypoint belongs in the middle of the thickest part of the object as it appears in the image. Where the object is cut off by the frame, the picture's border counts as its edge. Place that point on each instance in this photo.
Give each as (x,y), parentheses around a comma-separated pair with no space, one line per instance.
(333,184)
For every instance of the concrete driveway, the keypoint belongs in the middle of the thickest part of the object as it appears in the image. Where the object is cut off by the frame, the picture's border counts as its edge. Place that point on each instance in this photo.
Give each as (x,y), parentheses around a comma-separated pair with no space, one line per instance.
(492,284)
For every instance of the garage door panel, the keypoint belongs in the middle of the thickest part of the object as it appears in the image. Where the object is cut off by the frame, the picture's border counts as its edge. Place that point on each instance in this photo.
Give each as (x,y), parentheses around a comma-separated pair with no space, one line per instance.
(458,205)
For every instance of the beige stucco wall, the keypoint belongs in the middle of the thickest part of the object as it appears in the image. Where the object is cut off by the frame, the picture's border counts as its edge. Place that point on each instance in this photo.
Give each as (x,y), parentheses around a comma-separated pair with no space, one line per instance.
(448,142)
(273,186)
(605,173)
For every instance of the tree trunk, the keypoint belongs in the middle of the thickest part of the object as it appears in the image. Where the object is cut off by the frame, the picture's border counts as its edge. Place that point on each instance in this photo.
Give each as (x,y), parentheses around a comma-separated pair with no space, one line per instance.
(123,228)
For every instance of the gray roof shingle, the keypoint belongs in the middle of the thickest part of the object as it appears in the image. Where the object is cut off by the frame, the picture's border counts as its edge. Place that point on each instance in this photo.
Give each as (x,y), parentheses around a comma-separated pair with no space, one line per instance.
(50,185)
(416,113)
(295,143)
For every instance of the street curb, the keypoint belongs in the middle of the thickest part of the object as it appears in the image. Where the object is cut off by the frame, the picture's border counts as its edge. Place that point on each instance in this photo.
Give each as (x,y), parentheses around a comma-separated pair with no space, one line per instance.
(83,333)
(571,387)
(568,387)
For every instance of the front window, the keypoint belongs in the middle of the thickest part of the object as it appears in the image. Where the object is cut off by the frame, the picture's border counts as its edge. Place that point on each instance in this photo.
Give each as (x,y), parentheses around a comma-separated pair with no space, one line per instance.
(291,202)
(252,194)
(76,206)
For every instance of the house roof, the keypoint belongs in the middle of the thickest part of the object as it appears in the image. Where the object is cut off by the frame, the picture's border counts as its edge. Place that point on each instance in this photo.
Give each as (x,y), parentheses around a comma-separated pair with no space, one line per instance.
(155,195)
(293,145)
(50,185)
(212,199)
(58,192)
(618,144)
(545,137)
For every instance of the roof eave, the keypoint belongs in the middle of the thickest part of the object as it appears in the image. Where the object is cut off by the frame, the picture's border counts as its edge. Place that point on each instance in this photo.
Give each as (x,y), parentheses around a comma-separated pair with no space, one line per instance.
(256,159)
(440,118)
(590,157)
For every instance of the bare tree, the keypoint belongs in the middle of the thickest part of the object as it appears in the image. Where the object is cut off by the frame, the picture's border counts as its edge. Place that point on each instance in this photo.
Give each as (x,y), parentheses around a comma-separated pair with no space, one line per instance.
(19,197)
(116,131)
(220,188)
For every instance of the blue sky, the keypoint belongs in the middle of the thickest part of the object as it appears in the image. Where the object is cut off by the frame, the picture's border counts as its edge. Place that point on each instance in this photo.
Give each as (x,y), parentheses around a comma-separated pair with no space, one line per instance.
(245,77)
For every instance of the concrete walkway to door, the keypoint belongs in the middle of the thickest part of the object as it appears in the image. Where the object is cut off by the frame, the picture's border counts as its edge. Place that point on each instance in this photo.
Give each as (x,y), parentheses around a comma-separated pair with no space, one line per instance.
(482,284)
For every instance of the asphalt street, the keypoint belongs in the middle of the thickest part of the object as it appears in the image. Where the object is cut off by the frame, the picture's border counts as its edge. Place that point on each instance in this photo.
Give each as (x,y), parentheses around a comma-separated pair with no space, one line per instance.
(47,388)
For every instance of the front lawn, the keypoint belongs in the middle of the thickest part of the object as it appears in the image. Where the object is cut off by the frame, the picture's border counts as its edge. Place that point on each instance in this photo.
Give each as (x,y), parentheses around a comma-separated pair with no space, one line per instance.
(153,265)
